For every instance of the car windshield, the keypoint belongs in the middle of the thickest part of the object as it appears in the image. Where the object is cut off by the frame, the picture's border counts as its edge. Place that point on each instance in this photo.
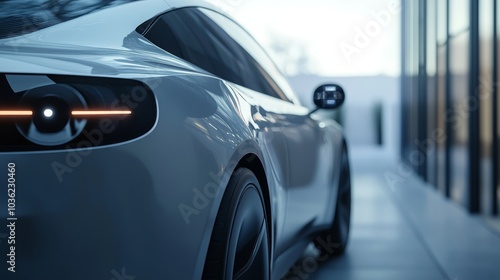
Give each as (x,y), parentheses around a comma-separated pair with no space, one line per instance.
(18,17)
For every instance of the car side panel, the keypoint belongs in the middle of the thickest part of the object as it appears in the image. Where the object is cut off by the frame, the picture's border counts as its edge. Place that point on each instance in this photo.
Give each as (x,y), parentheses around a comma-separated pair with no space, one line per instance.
(306,152)
(146,207)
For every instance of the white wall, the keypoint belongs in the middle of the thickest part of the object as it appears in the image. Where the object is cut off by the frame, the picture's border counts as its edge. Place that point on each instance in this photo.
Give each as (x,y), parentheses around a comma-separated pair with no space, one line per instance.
(362,95)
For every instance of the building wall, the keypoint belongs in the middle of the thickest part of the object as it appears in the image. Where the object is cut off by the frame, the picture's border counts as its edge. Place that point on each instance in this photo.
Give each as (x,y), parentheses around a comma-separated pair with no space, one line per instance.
(370,115)
(449,98)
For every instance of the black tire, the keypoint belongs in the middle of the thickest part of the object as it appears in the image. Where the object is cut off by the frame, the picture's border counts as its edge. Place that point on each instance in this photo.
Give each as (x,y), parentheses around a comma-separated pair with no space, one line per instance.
(239,246)
(334,241)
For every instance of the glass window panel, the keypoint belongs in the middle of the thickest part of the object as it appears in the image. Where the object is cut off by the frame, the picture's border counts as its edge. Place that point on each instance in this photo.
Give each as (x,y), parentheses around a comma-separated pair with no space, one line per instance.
(431,90)
(441,117)
(459,16)
(497,107)
(441,7)
(441,40)
(431,37)
(414,57)
(485,92)
(459,74)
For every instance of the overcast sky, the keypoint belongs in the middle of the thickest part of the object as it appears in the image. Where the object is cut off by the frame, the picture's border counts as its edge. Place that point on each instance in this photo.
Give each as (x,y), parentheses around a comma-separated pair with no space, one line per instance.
(325,37)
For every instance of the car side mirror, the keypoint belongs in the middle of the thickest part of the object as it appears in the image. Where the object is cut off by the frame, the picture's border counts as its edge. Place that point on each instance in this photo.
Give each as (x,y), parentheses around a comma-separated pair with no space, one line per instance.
(329,96)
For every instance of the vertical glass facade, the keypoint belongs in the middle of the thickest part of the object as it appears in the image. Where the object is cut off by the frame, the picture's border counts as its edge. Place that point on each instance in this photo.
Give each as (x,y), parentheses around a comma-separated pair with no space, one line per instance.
(432,96)
(441,92)
(459,40)
(495,115)
(450,123)
(485,101)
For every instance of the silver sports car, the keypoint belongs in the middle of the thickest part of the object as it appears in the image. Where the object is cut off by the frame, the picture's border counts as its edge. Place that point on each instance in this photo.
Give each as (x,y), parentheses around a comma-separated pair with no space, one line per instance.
(155,139)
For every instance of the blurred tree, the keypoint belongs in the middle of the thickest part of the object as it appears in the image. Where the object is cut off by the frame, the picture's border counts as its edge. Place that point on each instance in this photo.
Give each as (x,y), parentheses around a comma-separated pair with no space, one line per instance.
(290,55)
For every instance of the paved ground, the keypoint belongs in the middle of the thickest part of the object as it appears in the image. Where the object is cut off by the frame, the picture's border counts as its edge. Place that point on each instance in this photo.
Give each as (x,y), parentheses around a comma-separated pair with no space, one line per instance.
(403,229)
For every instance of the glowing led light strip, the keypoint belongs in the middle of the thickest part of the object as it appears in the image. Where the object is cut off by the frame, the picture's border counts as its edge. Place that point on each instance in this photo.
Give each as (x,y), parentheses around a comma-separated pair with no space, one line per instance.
(20,113)
(100,113)
(12,113)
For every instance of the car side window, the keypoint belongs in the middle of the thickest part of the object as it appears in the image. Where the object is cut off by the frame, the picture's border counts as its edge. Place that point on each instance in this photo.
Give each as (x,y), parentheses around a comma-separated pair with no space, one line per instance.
(218,45)
(174,33)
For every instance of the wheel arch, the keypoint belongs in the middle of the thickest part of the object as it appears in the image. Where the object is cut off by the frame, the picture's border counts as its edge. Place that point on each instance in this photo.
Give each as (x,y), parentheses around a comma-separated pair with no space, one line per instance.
(253,162)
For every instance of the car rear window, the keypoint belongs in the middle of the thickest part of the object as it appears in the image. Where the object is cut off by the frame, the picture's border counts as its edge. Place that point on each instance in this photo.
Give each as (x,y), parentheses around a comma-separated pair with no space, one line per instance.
(18,17)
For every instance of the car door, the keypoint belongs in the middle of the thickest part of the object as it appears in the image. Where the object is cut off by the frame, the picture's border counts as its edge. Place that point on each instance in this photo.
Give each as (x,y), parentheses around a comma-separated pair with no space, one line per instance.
(307,182)
(293,143)
(309,147)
